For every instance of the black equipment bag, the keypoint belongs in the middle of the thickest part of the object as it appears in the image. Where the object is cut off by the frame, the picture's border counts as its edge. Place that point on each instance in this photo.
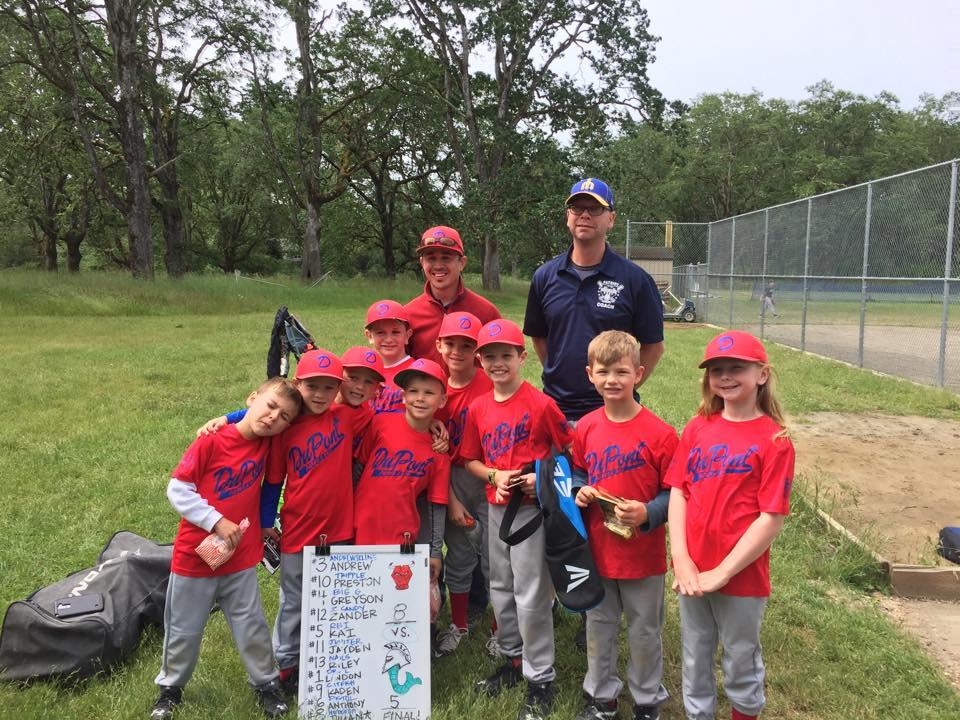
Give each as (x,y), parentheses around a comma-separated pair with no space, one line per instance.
(131,574)
(569,560)
(949,545)
(288,334)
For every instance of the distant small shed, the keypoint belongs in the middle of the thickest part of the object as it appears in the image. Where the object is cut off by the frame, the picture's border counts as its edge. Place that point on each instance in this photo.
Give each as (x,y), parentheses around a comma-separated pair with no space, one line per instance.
(658,261)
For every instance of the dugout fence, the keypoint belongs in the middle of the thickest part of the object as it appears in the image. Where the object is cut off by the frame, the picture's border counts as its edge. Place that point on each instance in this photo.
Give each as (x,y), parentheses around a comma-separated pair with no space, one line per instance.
(868,274)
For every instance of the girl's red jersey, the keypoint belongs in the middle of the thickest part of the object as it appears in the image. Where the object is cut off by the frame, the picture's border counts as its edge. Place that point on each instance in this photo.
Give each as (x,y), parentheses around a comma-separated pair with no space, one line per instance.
(729,473)
(399,464)
(629,460)
(511,434)
(226,469)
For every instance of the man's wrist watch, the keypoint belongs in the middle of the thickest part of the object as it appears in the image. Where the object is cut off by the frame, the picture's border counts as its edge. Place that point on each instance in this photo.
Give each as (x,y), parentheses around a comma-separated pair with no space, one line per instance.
(492,477)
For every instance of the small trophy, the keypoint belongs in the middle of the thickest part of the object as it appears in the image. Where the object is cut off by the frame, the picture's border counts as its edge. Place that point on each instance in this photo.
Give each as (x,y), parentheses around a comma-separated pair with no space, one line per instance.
(608,504)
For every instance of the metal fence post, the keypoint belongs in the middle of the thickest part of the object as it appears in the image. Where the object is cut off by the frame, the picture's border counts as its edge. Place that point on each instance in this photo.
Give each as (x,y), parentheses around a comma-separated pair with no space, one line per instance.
(626,250)
(863,276)
(706,295)
(733,245)
(947,267)
(763,279)
(806,278)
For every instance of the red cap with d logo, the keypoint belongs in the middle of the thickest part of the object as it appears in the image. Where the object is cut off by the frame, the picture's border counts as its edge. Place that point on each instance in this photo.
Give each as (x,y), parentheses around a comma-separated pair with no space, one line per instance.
(319,363)
(737,345)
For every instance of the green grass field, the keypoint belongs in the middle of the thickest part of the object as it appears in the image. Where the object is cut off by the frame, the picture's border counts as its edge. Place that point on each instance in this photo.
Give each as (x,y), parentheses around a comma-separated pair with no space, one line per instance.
(107,379)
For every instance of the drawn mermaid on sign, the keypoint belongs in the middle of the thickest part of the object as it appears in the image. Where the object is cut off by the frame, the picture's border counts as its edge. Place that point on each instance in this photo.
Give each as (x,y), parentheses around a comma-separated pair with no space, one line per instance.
(398,656)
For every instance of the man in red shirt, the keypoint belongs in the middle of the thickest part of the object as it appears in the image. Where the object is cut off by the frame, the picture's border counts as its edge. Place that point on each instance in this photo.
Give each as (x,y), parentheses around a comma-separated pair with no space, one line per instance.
(443,261)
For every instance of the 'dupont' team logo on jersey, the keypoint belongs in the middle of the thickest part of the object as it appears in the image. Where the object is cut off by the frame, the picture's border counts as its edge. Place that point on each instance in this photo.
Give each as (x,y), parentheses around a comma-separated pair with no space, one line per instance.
(228,481)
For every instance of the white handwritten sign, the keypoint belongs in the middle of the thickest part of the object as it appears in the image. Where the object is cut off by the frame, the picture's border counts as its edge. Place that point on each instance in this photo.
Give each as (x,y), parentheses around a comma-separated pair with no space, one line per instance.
(365,633)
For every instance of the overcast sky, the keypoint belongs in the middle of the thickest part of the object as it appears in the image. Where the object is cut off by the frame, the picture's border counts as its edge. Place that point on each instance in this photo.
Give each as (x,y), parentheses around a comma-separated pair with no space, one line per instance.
(780,48)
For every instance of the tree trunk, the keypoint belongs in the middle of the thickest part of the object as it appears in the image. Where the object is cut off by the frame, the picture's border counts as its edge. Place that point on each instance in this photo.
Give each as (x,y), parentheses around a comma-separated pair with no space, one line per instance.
(73,238)
(165,148)
(491,261)
(389,256)
(171,215)
(123,23)
(50,252)
(310,264)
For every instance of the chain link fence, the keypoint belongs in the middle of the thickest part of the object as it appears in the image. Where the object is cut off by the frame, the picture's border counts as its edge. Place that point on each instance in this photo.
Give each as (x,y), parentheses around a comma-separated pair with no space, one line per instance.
(869,274)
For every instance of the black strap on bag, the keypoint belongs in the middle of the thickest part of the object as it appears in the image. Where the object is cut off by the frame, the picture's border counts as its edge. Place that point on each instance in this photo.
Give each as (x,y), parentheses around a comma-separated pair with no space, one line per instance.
(510,514)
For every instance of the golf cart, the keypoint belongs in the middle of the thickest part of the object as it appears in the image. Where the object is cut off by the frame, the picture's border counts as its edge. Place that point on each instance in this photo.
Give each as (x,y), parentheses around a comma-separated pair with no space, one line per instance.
(675,308)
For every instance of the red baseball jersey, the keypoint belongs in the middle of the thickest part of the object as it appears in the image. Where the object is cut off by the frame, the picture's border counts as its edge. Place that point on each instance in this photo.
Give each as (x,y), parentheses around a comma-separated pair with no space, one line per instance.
(730,472)
(399,465)
(627,459)
(510,434)
(454,413)
(390,397)
(227,470)
(315,456)
(426,315)
(363,416)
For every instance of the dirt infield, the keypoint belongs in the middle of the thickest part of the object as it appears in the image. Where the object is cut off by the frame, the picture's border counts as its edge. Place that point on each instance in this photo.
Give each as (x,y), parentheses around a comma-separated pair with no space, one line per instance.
(903,351)
(892,481)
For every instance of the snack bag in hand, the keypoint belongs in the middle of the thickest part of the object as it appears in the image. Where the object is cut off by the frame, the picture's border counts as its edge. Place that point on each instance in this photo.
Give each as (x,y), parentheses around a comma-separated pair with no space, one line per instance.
(215,551)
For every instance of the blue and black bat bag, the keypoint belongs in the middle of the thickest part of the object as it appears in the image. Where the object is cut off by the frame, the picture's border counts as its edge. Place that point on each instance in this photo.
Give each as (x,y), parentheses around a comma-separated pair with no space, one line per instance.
(572,569)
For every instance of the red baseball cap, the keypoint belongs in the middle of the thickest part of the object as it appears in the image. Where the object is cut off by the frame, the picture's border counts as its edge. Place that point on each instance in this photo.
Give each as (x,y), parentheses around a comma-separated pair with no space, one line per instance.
(386,310)
(423,366)
(363,357)
(734,344)
(500,331)
(442,237)
(460,324)
(319,363)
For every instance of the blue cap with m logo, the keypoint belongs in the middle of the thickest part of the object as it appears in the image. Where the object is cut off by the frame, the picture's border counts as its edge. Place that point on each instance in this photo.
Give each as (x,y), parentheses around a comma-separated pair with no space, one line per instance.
(597,189)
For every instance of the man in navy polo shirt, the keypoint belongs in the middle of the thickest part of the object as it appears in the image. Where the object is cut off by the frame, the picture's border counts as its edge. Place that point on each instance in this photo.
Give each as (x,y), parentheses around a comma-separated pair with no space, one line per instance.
(579,294)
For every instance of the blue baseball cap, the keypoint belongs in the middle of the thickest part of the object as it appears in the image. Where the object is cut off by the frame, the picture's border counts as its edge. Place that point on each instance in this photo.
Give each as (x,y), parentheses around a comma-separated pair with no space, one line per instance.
(597,189)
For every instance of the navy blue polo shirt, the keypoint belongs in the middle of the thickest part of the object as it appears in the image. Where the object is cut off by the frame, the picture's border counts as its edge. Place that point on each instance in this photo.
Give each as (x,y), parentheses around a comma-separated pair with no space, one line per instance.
(570,312)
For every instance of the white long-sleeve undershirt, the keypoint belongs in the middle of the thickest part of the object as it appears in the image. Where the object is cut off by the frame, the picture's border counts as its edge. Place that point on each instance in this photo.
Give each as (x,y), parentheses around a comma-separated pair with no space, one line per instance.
(191,505)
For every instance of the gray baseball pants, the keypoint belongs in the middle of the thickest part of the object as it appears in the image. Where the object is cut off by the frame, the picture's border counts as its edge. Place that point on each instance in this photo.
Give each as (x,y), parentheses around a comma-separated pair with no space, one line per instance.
(641,602)
(286,628)
(462,556)
(185,615)
(521,594)
(735,623)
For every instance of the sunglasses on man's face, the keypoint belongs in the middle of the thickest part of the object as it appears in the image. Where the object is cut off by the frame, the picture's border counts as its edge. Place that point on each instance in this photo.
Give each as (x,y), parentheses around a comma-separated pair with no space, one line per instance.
(443,241)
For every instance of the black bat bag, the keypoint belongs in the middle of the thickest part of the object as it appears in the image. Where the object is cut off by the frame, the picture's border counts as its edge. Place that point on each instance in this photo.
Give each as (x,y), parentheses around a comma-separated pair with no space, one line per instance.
(89,621)
(569,559)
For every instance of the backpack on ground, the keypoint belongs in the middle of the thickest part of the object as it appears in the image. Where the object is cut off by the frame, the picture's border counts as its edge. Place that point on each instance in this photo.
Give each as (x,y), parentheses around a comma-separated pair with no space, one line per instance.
(572,568)
(115,599)
(949,545)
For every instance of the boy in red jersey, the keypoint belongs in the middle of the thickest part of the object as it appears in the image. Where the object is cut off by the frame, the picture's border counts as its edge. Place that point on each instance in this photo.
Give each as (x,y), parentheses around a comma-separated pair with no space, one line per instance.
(626,451)
(507,429)
(400,464)
(363,374)
(215,486)
(388,330)
(467,506)
(312,462)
